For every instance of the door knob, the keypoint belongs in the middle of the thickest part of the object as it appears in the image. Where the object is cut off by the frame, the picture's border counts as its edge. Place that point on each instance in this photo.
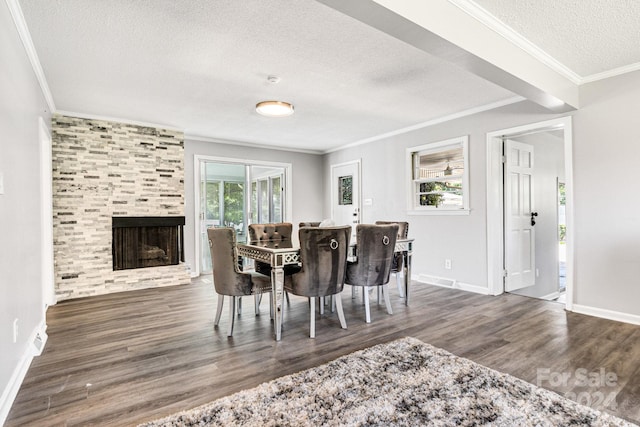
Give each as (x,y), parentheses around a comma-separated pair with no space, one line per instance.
(533,215)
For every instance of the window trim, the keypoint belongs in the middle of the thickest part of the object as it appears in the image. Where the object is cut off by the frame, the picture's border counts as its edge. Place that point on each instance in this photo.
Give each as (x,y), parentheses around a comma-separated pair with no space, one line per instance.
(411,183)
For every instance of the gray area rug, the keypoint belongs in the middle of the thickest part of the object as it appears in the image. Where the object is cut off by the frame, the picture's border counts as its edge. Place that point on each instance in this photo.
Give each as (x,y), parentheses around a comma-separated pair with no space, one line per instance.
(404,383)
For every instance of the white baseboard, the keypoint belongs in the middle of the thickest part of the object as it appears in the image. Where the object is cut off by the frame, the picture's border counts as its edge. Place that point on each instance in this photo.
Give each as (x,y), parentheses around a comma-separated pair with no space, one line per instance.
(473,288)
(37,341)
(606,314)
(193,274)
(449,283)
(551,296)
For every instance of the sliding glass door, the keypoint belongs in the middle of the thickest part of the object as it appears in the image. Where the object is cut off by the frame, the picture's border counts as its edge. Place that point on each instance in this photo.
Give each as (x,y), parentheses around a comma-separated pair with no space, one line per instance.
(235,194)
(222,195)
(266,194)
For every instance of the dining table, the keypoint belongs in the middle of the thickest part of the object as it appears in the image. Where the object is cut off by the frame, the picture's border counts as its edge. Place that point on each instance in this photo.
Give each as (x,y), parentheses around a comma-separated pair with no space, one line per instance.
(281,253)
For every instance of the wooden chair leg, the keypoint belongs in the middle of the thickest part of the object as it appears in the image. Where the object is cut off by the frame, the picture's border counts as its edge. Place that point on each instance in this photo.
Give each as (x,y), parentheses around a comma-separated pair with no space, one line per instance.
(232,313)
(367,311)
(378,302)
(321,306)
(312,322)
(387,300)
(256,299)
(219,311)
(353,292)
(338,301)
(239,306)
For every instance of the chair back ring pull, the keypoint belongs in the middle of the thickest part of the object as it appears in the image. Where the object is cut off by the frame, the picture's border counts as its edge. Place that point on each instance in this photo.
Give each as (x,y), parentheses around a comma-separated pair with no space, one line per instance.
(334,244)
(385,240)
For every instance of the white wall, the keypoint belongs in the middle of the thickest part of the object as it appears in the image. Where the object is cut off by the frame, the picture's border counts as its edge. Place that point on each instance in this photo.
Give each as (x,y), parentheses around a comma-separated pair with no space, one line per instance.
(21,104)
(548,167)
(606,153)
(460,238)
(307,181)
(607,202)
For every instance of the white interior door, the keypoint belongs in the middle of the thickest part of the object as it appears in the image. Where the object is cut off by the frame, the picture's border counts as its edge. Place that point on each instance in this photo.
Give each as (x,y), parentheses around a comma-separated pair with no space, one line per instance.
(519,216)
(345,195)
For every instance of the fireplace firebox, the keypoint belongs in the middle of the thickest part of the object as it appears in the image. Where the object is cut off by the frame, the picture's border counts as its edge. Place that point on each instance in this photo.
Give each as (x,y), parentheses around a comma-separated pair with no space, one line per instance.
(149,241)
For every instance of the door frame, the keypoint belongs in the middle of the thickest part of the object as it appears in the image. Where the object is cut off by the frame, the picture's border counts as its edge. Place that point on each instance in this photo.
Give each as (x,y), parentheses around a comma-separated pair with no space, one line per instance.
(358,163)
(197,158)
(495,200)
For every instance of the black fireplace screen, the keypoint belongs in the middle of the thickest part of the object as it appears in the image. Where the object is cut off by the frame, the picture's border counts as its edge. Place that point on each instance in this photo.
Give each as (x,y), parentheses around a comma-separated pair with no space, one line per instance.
(140,242)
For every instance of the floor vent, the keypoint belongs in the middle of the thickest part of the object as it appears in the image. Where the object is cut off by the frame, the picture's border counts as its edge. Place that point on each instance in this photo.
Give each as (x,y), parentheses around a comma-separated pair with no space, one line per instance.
(38,343)
(438,281)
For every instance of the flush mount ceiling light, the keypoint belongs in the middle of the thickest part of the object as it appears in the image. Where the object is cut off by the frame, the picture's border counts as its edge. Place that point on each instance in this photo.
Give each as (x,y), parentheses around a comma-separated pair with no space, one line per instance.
(274,108)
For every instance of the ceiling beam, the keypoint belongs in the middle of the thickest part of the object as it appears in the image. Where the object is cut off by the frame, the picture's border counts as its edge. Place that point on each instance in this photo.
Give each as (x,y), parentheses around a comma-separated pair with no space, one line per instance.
(444,30)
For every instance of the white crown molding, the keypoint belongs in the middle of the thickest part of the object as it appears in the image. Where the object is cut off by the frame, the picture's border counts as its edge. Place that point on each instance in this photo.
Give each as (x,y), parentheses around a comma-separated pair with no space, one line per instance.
(117,119)
(611,73)
(27,42)
(463,113)
(493,23)
(203,138)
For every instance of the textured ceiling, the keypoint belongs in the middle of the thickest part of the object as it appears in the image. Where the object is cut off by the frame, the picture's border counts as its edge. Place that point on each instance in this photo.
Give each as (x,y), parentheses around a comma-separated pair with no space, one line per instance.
(202,65)
(587,36)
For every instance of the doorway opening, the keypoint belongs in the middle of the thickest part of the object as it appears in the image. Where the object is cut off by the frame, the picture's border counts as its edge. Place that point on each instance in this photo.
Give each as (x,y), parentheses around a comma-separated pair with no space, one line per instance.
(524,215)
(235,193)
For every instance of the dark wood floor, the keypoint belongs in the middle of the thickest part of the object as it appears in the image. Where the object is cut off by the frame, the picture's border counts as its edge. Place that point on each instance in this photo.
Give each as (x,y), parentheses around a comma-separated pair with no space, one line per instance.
(125,358)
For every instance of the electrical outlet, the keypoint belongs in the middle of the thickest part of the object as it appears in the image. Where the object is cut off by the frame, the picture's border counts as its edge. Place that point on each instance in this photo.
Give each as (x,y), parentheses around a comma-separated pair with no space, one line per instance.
(447,264)
(15,330)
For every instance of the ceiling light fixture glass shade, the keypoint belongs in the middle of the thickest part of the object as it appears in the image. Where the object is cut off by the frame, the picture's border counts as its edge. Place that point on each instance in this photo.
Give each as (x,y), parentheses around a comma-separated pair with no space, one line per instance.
(274,108)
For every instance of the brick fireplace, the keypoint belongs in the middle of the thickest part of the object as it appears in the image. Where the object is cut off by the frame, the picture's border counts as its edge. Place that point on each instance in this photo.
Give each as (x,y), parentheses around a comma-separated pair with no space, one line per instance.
(104,170)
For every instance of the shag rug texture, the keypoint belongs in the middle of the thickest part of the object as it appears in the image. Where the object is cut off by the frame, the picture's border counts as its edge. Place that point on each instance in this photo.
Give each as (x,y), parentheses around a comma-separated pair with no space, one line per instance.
(401,383)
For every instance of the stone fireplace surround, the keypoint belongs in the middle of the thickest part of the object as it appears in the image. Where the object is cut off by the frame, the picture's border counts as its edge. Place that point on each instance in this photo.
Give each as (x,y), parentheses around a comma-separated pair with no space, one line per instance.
(103,169)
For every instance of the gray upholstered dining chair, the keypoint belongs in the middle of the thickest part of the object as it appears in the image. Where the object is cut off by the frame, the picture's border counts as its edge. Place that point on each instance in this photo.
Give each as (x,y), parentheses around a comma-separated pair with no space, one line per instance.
(398,259)
(273,232)
(327,223)
(309,224)
(374,259)
(228,280)
(323,253)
